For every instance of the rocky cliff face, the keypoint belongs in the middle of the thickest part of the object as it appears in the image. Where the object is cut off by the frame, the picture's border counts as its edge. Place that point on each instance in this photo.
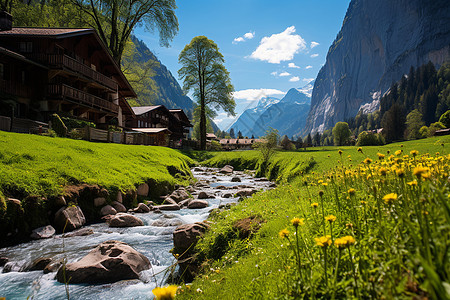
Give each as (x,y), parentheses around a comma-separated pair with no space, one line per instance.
(378,43)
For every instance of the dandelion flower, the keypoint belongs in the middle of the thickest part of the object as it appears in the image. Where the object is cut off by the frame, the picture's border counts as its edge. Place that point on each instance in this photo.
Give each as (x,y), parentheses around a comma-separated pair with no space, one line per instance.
(367,161)
(340,152)
(284,233)
(389,198)
(323,241)
(351,191)
(383,171)
(315,204)
(330,218)
(412,183)
(297,221)
(398,152)
(419,171)
(340,243)
(360,150)
(400,172)
(380,156)
(165,293)
(349,239)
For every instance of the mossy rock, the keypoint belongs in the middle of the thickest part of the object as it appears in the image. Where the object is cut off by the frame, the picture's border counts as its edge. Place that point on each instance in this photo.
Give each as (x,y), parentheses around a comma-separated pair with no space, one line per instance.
(35,211)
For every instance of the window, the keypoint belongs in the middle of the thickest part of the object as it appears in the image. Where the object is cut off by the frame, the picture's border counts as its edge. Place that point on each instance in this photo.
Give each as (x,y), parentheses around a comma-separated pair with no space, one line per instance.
(26,47)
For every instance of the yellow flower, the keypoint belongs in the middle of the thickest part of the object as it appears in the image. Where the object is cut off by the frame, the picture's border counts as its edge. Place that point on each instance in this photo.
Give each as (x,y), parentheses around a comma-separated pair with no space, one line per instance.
(323,241)
(419,171)
(389,198)
(360,150)
(324,183)
(297,221)
(351,191)
(330,218)
(165,293)
(340,152)
(400,172)
(315,204)
(349,239)
(367,161)
(383,171)
(363,202)
(344,242)
(283,233)
(380,156)
(398,152)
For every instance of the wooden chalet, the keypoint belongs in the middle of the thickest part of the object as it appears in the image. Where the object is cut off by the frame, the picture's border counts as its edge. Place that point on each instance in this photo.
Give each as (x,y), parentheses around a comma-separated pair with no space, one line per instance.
(61,70)
(165,127)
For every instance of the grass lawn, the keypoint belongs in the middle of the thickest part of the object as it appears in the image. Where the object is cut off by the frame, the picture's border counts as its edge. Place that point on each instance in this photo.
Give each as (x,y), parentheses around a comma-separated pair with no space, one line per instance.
(347,229)
(39,165)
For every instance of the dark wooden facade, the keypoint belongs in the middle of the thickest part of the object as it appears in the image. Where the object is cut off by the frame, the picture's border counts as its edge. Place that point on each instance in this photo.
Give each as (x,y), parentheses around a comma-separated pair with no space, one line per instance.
(159,117)
(67,71)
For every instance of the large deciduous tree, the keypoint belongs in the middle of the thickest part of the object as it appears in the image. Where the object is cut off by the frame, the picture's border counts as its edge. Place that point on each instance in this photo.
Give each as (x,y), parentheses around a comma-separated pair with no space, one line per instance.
(341,133)
(204,73)
(115,20)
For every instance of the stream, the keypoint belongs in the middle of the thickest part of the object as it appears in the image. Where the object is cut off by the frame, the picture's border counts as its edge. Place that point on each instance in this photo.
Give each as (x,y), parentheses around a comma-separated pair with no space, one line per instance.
(152,241)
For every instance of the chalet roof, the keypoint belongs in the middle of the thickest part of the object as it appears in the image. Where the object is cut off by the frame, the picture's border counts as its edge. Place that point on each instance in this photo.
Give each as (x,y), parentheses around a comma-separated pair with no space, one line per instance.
(59,33)
(181,116)
(46,32)
(139,110)
(239,141)
(152,130)
(211,135)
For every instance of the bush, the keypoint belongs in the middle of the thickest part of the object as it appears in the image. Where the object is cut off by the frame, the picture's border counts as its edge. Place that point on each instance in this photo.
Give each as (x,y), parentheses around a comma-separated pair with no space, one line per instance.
(74,123)
(445,119)
(435,127)
(423,131)
(370,139)
(214,146)
(58,126)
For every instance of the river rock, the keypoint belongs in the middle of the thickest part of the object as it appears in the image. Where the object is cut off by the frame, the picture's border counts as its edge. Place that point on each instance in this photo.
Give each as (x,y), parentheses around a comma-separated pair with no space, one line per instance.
(185,203)
(165,222)
(221,187)
(169,200)
(39,264)
(99,201)
(119,207)
(235,179)
(197,204)
(179,195)
(125,220)
(142,190)
(119,197)
(168,207)
(142,208)
(79,232)
(245,193)
(53,266)
(186,236)
(72,215)
(204,195)
(227,195)
(43,232)
(12,266)
(227,169)
(190,189)
(109,262)
(108,210)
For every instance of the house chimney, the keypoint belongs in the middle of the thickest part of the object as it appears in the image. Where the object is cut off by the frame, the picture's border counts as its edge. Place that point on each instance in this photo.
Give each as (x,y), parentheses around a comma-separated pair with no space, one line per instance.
(5,21)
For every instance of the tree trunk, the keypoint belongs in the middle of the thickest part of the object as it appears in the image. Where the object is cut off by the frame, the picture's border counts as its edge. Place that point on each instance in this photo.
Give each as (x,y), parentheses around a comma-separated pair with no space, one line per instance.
(202,123)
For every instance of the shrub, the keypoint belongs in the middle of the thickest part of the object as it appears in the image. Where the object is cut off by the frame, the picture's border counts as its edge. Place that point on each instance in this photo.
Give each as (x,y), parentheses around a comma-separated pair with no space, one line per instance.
(58,126)
(215,146)
(445,119)
(435,127)
(370,139)
(74,123)
(423,131)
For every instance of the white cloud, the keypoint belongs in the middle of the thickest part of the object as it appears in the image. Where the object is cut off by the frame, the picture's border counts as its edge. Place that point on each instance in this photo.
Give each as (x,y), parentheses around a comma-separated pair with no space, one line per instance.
(247,36)
(284,74)
(294,79)
(314,55)
(292,65)
(307,80)
(274,73)
(256,94)
(308,67)
(314,44)
(279,47)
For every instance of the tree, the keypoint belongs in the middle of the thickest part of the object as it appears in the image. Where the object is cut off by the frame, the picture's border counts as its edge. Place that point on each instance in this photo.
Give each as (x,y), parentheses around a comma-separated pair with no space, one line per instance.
(394,123)
(341,133)
(232,134)
(204,73)
(316,139)
(286,143)
(6,5)
(267,147)
(414,122)
(308,141)
(240,135)
(445,119)
(115,20)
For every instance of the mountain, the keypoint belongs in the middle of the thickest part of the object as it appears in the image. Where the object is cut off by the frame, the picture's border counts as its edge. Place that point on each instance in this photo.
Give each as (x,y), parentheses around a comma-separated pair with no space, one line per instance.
(158,86)
(287,115)
(378,43)
(246,121)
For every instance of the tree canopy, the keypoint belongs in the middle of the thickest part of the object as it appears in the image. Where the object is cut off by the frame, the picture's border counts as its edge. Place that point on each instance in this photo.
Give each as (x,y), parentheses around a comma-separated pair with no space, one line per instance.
(204,73)
(341,133)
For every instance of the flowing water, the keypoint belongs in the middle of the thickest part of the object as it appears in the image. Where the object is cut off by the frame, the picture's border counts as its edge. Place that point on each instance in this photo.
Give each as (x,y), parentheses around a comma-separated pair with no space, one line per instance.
(152,241)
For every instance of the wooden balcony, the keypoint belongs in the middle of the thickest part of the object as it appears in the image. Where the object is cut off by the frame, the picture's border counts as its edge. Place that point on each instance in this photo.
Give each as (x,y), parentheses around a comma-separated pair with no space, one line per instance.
(80,97)
(61,61)
(15,88)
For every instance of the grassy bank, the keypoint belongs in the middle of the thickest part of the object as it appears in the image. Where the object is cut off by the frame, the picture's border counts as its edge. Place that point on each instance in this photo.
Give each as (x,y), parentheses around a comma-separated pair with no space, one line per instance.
(38,165)
(367,228)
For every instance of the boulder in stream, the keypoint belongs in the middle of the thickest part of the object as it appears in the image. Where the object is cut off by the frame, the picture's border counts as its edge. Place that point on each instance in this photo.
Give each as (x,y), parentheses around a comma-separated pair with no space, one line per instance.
(109,262)
(39,264)
(69,218)
(186,236)
(167,207)
(142,208)
(119,207)
(79,232)
(227,169)
(43,232)
(197,204)
(245,193)
(143,189)
(235,179)
(205,195)
(125,220)
(108,210)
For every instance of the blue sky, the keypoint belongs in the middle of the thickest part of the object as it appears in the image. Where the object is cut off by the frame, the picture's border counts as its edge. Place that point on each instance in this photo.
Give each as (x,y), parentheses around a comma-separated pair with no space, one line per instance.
(269,46)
